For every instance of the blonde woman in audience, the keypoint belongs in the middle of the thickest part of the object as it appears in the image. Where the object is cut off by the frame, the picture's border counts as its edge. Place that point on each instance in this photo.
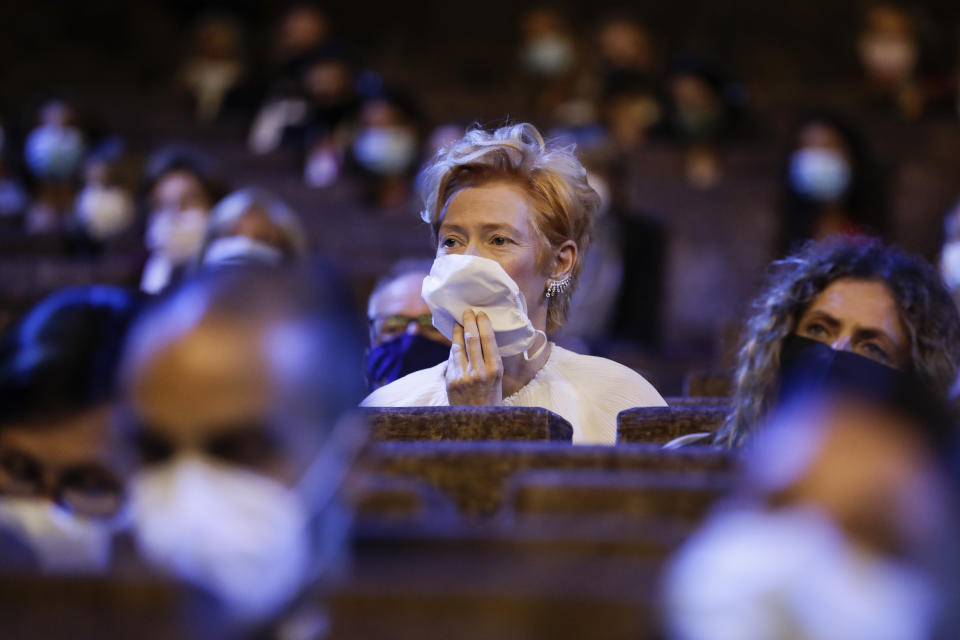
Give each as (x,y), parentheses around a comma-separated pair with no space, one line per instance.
(854,295)
(511,217)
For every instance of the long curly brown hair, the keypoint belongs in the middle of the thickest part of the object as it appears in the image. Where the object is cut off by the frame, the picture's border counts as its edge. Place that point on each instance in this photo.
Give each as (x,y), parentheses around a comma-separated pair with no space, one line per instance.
(928,314)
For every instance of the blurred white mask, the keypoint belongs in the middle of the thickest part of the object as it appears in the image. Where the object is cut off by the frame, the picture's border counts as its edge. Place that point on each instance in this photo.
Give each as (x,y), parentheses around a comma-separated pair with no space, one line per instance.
(241,250)
(458,282)
(240,535)
(62,541)
(950,264)
(104,211)
(177,235)
(819,174)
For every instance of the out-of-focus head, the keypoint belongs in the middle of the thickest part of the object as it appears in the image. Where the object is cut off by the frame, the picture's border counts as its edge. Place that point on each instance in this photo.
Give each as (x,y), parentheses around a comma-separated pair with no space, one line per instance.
(62,462)
(624,43)
(236,387)
(699,101)
(630,107)
(874,463)
(950,252)
(253,226)
(853,294)
(327,75)
(54,150)
(217,37)
(887,46)
(828,161)
(179,179)
(509,196)
(548,49)
(387,141)
(250,367)
(301,28)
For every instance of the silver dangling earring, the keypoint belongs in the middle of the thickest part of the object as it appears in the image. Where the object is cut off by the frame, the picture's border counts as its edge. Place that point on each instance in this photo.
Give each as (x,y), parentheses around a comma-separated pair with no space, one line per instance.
(556,287)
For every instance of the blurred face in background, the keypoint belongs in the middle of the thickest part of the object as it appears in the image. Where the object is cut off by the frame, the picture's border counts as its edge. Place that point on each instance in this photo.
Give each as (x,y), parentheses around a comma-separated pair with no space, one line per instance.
(301,29)
(178,221)
(821,167)
(887,46)
(624,44)
(859,316)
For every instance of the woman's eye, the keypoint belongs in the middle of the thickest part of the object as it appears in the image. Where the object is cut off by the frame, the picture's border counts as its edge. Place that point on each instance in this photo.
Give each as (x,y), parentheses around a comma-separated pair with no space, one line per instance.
(448,243)
(499,241)
(816,330)
(875,351)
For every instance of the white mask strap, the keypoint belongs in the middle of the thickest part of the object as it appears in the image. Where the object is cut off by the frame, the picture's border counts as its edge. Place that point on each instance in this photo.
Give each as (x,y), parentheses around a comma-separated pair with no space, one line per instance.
(536,354)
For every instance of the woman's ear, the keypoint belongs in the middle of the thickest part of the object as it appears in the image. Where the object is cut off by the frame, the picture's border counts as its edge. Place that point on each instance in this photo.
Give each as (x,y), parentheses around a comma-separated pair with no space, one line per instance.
(566,259)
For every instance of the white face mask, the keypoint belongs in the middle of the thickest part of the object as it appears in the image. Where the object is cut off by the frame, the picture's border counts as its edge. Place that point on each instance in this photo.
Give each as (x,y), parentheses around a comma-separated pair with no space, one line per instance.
(548,55)
(241,250)
(241,535)
(458,282)
(819,174)
(54,152)
(104,211)
(950,264)
(177,235)
(62,541)
(385,150)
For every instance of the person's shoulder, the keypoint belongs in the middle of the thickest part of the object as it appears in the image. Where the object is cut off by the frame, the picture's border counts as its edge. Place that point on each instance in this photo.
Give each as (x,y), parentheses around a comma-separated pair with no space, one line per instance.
(605,375)
(425,387)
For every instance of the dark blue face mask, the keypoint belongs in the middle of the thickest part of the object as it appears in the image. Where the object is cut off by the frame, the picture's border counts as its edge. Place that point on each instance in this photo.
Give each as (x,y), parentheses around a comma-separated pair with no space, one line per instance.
(809,368)
(398,357)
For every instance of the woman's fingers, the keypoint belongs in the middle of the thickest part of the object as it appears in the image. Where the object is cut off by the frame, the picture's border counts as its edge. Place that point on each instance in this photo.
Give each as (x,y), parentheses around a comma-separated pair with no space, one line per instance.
(471,338)
(488,343)
(458,351)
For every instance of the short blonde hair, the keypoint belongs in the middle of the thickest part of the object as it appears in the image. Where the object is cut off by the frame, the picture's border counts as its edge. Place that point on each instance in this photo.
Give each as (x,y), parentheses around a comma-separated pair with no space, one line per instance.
(564,203)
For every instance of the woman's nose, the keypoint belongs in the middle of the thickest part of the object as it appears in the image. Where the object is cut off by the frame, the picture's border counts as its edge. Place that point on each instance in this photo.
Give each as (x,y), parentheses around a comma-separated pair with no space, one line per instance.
(471,250)
(841,344)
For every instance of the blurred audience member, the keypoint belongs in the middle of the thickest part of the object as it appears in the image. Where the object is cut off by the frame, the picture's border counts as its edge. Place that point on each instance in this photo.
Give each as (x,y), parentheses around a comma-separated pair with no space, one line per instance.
(842,530)
(511,217)
(704,110)
(402,336)
(386,148)
(236,386)
(631,109)
(548,57)
(950,253)
(830,185)
(104,208)
(253,226)
(215,67)
(852,294)
(62,463)
(302,28)
(54,153)
(625,45)
(889,52)
(181,192)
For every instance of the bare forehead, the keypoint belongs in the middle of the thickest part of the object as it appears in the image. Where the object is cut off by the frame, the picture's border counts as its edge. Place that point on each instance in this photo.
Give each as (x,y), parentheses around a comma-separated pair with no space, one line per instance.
(856,297)
(490,203)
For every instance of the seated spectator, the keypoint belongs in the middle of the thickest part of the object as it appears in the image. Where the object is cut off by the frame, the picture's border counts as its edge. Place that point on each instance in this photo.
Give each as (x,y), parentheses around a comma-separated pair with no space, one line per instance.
(214,72)
(252,226)
(830,184)
(181,191)
(234,389)
(843,528)
(402,336)
(889,50)
(104,208)
(950,252)
(511,218)
(54,153)
(852,294)
(62,464)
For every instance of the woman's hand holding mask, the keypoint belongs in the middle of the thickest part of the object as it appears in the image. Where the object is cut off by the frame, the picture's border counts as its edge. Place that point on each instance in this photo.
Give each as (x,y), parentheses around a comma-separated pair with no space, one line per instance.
(475,370)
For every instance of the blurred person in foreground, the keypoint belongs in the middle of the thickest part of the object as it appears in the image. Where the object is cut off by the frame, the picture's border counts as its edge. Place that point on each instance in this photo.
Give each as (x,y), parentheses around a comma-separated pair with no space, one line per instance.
(845,524)
(62,461)
(180,190)
(950,252)
(830,184)
(402,336)
(511,217)
(253,226)
(235,389)
(851,294)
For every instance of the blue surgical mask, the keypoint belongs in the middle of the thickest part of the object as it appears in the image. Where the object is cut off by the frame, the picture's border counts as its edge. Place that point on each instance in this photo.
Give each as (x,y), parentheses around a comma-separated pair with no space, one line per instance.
(398,357)
(822,175)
